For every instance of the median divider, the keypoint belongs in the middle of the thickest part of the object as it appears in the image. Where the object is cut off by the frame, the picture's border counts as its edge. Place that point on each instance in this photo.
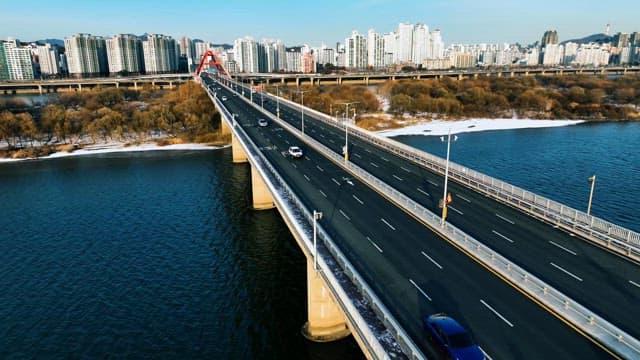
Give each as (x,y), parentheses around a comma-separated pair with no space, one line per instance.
(578,316)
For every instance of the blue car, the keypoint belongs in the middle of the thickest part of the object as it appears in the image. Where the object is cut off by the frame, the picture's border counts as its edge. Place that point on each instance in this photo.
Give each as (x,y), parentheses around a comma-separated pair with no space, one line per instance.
(451,338)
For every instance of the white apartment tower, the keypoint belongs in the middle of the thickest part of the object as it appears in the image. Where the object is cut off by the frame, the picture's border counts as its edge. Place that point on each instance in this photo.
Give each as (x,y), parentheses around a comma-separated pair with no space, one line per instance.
(15,61)
(160,54)
(48,58)
(125,54)
(246,53)
(436,44)
(355,51)
(375,49)
(421,44)
(404,43)
(86,55)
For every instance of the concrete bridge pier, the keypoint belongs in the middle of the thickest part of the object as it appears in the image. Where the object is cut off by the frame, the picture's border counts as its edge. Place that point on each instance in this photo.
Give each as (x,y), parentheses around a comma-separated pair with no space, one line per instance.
(326,321)
(262,199)
(239,156)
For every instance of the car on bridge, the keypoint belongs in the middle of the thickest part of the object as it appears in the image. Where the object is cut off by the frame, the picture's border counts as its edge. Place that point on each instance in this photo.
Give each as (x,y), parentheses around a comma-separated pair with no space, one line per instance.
(451,338)
(224,98)
(263,122)
(295,152)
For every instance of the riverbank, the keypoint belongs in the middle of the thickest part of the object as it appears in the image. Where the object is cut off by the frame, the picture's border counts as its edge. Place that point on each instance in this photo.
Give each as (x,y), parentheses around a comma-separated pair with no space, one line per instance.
(114,147)
(441,127)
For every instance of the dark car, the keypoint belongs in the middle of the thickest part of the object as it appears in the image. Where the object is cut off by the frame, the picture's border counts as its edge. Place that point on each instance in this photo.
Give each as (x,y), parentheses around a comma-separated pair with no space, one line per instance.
(451,338)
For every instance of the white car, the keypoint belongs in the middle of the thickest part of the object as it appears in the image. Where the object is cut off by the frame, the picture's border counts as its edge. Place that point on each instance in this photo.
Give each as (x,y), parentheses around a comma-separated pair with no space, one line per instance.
(263,122)
(295,152)
(224,98)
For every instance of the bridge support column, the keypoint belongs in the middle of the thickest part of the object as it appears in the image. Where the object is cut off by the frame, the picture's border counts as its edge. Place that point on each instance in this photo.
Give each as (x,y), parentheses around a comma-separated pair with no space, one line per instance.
(238,154)
(326,321)
(40,89)
(262,199)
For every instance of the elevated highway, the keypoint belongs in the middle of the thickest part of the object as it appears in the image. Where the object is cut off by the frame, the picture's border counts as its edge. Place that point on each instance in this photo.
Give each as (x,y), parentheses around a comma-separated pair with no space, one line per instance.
(410,267)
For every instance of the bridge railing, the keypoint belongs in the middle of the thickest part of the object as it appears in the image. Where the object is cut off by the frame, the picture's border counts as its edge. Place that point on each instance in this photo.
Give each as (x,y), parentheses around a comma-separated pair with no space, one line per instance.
(579,316)
(602,232)
(288,200)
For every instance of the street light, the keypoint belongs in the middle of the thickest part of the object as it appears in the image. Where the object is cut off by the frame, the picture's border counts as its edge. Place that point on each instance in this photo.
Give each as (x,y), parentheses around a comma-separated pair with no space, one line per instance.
(592,180)
(302,92)
(446,198)
(345,150)
(277,101)
(316,216)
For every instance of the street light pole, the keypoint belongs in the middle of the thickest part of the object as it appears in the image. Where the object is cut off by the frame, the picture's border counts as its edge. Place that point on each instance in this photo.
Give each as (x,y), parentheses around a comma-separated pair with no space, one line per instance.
(592,180)
(302,92)
(346,129)
(278,101)
(316,216)
(446,178)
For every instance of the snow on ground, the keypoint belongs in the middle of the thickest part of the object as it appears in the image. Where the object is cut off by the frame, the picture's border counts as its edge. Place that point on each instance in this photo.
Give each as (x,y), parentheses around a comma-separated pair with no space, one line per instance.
(120,147)
(440,127)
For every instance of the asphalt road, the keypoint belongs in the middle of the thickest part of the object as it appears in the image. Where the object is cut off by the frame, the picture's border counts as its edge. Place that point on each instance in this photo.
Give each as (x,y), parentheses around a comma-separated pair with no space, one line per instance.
(606,283)
(413,271)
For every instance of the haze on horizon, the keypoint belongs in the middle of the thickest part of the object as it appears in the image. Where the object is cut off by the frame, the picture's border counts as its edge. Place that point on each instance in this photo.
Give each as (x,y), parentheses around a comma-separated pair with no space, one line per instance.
(298,22)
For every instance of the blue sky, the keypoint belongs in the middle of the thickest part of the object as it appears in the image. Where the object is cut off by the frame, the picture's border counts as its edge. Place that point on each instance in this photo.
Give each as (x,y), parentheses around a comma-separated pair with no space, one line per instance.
(315,22)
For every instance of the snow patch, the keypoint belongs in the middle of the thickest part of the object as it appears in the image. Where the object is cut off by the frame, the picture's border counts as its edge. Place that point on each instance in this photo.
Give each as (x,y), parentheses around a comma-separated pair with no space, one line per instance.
(440,127)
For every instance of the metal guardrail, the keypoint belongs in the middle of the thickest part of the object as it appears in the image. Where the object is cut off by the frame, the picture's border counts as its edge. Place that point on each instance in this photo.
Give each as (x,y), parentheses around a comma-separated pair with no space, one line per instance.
(563,306)
(604,233)
(277,186)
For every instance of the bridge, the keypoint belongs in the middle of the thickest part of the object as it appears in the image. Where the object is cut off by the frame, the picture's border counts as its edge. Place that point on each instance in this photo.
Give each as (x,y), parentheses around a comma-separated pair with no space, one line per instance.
(372,78)
(530,278)
(59,85)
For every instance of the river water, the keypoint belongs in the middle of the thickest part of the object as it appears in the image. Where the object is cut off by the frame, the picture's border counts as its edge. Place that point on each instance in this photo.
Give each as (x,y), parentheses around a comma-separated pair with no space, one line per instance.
(158,255)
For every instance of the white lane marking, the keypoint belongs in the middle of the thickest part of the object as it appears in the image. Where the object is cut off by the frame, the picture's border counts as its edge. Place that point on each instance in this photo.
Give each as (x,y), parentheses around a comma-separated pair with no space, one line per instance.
(433,261)
(397,177)
(485,354)
(306,177)
(405,169)
(565,271)
(319,168)
(562,247)
(374,164)
(505,219)
(454,209)
(424,192)
(367,150)
(502,236)
(384,158)
(279,135)
(322,192)
(374,244)
(421,291)
(357,155)
(634,283)
(287,141)
(335,181)
(463,198)
(331,141)
(432,183)
(497,313)
(389,225)
(306,157)
(358,200)
(345,215)
(322,135)
(294,165)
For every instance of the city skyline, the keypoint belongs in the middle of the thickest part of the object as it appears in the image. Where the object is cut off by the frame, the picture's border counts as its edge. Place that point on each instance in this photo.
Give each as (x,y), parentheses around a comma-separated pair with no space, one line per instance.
(491,21)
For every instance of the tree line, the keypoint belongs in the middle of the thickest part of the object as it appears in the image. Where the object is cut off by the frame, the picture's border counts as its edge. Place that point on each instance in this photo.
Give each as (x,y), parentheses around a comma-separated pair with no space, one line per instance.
(330,99)
(545,97)
(113,114)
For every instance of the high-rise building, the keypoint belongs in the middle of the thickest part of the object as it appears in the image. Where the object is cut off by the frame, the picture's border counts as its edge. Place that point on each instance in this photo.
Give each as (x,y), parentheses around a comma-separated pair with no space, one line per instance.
(246,55)
(552,55)
(188,53)
(86,55)
(404,43)
(375,49)
(308,64)
(355,51)
(125,54)
(421,43)
(549,37)
(161,54)
(294,60)
(436,44)
(15,61)
(620,40)
(49,60)
(327,56)
(200,47)
(390,40)
(570,52)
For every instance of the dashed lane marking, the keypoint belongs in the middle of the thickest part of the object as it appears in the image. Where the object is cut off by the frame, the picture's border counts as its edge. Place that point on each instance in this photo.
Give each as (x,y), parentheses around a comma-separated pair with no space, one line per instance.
(562,247)
(505,219)
(497,313)
(358,200)
(433,261)
(502,236)
(375,245)
(566,271)
(389,225)
(421,291)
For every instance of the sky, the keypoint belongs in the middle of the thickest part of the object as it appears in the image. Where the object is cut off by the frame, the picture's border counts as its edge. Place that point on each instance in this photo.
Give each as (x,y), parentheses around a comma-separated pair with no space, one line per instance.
(313,23)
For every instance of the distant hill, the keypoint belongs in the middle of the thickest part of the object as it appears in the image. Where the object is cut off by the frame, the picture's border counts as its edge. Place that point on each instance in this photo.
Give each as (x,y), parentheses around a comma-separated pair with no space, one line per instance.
(57,42)
(595,38)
